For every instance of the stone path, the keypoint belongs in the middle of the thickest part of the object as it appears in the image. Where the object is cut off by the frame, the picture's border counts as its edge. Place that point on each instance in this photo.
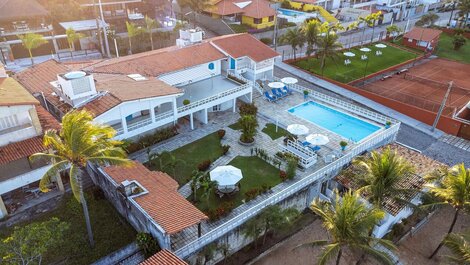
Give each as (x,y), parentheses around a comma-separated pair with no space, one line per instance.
(456,141)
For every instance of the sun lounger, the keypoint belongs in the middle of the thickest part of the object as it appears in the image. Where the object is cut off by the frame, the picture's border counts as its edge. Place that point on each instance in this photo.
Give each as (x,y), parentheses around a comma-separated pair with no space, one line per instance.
(269,97)
(281,92)
(275,93)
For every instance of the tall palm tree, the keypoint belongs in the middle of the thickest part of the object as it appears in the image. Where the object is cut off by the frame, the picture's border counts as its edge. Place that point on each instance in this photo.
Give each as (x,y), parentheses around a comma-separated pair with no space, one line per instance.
(380,173)
(32,41)
(294,38)
(197,6)
(452,186)
(459,245)
(311,31)
(79,142)
(348,222)
(150,25)
(328,44)
(72,37)
(208,187)
(369,21)
(464,7)
(132,31)
(196,177)
(172,162)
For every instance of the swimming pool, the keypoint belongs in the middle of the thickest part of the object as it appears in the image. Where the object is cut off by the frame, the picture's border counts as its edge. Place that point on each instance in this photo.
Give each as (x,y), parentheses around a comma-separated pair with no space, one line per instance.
(338,122)
(295,16)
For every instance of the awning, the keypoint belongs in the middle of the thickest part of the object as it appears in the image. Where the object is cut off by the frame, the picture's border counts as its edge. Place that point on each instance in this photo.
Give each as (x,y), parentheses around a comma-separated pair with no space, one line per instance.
(83,25)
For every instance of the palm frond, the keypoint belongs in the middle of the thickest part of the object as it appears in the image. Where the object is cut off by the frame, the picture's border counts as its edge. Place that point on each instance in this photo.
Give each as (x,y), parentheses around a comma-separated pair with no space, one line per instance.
(52,172)
(329,253)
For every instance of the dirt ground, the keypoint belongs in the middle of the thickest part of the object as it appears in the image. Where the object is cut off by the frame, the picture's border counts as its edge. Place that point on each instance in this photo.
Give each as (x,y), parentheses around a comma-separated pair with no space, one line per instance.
(413,251)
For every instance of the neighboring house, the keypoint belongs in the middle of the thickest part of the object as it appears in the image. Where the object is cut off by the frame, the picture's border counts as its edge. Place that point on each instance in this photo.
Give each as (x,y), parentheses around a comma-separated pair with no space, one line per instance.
(150,201)
(115,12)
(22,124)
(164,257)
(142,92)
(19,17)
(312,5)
(257,14)
(394,211)
(422,38)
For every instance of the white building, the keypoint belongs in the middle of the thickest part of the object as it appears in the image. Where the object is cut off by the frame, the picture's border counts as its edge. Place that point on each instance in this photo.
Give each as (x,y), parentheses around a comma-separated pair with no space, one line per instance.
(22,123)
(142,92)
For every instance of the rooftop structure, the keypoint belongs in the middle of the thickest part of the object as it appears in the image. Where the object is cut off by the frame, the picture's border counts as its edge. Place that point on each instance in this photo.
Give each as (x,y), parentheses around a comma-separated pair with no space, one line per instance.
(422,38)
(164,257)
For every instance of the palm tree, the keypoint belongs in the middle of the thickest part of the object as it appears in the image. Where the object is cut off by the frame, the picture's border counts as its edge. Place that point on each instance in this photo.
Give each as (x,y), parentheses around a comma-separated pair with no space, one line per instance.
(311,31)
(72,37)
(348,222)
(393,30)
(172,162)
(32,41)
(452,187)
(369,21)
(197,6)
(196,178)
(150,24)
(464,7)
(253,229)
(208,187)
(459,245)
(294,38)
(380,174)
(132,31)
(79,142)
(328,45)
(248,124)
(276,218)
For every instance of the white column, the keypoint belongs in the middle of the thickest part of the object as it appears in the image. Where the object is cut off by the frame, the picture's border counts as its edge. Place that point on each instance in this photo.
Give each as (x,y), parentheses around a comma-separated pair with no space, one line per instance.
(251,96)
(152,112)
(3,208)
(205,118)
(234,107)
(191,121)
(124,124)
(175,111)
(58,179)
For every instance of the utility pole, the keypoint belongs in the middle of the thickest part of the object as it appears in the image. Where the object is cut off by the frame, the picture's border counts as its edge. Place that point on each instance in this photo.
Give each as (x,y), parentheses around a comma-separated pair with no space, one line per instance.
(451,13)
(98,28)
(275,29)
(441,108)
(105,33)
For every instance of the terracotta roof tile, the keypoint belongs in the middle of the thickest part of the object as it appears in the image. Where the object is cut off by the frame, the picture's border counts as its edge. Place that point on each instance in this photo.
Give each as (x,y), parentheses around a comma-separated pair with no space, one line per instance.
(240,45)
(12,93)
(424,34)
(21,149)
(164,257)
(15,9)
(163,202)
(255,9)
(48,122)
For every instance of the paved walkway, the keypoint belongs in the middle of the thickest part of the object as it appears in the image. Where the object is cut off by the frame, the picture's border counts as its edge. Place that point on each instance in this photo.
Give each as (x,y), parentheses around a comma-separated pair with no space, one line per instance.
(358,98)
(456,141)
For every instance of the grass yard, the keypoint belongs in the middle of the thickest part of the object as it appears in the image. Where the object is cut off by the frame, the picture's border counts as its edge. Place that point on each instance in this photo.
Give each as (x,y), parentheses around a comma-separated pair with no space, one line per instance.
(206,148)
(336,70)
(445,49)
(270,129)
(256,173)
(236,126)
(111,232)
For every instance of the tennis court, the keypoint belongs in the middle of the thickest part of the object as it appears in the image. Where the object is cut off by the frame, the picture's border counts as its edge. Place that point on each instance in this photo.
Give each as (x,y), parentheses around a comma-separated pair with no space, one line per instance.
(425,85)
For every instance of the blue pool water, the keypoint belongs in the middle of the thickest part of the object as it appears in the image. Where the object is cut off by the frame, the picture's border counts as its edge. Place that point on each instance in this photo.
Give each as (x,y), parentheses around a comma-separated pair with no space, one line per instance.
(338,122)
(291,13)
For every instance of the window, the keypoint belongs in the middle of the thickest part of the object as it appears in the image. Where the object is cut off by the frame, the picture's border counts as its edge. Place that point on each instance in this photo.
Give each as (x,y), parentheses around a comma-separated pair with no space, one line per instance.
(257,20)
(324,185)
(8,122)
(271,18)
(216,108)
(211,66)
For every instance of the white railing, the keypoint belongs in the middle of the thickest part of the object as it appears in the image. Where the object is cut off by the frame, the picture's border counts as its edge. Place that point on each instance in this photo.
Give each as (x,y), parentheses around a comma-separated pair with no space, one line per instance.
(372,115)
(139,124)
(144,122)
(214,97)
(163,116)
(307,158)
(119,131)
(383,137)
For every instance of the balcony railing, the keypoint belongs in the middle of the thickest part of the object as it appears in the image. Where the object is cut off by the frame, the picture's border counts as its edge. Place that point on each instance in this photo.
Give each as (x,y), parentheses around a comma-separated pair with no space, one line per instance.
(144,122)
(23,29)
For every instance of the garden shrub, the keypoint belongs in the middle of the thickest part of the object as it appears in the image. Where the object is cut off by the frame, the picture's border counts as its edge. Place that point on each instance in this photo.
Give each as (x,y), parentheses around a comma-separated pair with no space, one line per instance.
(248,109)
(267,41)
(223,210)
(147,243)
(251,194)
(204,165)
(283,175)
(248,123)
(225,149)
(291,167)
(221,133)
(150,139)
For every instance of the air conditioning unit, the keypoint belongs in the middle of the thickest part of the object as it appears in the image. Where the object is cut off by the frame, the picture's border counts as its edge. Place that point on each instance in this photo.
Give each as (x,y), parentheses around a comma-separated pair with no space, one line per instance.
(75,87)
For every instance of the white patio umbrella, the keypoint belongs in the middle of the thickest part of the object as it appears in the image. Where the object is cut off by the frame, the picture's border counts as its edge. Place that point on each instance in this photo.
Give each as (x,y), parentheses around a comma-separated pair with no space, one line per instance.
(226,175)
(289,80)
(380,45)
(317,139)
(276,85)
(365,49)
(297,129)
(349,54)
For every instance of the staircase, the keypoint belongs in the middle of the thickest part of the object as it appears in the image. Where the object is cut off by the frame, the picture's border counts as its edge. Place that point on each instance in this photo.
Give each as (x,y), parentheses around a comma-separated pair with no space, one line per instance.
(326,15)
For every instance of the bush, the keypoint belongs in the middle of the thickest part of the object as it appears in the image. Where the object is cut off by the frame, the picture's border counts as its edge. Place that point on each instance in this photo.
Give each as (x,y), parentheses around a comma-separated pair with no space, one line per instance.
(204,165)
(248,123)
(186,102)
(291,167)
(221,133)
(285,4)
(223,210)
(248,109)
(225,149)
(251,194)
(267,41)
(147,243)
(283,175)
(150,139)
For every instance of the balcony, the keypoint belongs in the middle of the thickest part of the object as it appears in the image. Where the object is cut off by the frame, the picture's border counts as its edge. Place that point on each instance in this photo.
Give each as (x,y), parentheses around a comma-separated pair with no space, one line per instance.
(17,133)
(17,28)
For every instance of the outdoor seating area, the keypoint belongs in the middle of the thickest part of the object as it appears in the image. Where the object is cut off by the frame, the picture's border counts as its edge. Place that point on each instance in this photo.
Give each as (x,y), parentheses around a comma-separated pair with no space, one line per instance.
(278,90)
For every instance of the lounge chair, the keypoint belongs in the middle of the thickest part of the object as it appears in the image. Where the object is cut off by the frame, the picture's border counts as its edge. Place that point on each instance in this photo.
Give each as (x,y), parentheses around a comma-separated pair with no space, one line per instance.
(282,92)
(286,90)
(275,93)
(269,97)
(315,148)
(305,143)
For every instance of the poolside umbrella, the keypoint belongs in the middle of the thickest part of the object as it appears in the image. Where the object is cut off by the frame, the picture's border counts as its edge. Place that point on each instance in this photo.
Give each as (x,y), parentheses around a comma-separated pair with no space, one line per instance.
(380,45)
(365,49)
(349,54)
(276,85)
(289,80)
(297,129)
(226,175)
(317,139)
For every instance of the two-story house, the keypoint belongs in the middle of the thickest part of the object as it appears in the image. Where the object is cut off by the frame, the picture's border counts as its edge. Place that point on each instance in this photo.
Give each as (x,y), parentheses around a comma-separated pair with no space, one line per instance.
(142,92)
(22,123)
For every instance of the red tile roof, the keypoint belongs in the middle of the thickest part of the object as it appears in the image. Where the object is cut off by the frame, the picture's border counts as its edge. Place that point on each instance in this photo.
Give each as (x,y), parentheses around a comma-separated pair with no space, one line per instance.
(255,9)
(162,202)
(164,257)
(245,44)
(12,93)
(17,9)
(423,34)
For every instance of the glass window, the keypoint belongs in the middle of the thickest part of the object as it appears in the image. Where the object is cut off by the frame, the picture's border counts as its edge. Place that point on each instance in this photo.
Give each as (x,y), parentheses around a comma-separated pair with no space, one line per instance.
(257,20)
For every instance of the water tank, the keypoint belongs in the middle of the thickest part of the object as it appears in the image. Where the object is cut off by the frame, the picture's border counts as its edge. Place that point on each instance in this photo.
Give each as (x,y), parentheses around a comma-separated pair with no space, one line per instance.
(75,75)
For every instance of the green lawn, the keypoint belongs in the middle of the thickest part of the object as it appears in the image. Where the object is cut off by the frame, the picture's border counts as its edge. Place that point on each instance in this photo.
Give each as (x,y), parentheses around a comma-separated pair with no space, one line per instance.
(445,49)
(111,232)
(338,71)
(192,154)
(270,129)
(236,126)
(256,173)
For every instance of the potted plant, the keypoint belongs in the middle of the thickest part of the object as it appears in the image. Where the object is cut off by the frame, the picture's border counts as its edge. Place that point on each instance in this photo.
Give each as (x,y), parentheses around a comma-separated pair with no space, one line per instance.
(186,102)
(388,124)
(248,123)
(343,145)
(306,92)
